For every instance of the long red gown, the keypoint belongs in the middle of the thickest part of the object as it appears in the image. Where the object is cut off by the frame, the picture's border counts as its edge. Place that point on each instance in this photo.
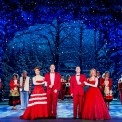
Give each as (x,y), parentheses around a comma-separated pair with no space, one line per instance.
(94,107)
(37,106)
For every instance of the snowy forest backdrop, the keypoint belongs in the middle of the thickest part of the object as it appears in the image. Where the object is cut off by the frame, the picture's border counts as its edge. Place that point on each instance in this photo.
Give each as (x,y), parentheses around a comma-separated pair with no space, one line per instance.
(68,33)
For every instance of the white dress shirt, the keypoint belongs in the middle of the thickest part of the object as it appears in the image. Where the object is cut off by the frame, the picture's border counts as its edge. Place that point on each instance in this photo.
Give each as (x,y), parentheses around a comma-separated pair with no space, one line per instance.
(52,77)
(78,79)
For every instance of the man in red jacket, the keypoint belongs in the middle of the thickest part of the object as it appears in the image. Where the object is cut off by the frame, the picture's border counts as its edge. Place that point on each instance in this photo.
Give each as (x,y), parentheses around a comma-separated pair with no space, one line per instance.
(77,91)
(53,86)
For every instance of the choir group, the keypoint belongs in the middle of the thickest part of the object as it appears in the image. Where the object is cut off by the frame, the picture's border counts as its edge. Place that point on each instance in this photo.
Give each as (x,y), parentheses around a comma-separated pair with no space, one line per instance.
(92,104)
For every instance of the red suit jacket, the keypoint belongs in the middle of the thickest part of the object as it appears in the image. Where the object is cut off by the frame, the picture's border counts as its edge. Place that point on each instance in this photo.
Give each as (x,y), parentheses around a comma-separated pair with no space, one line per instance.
(57,82)
(76,89)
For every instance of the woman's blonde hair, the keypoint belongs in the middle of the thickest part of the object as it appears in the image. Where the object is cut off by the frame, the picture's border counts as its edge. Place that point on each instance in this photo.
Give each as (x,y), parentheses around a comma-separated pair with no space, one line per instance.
(94,71)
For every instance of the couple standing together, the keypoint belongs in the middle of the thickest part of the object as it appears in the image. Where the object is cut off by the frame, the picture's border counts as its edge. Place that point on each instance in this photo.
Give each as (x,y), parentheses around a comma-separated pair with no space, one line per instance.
(43,104)
(89,105)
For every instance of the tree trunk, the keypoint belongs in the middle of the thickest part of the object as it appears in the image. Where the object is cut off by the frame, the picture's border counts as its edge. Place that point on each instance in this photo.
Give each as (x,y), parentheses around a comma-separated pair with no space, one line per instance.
(80,45)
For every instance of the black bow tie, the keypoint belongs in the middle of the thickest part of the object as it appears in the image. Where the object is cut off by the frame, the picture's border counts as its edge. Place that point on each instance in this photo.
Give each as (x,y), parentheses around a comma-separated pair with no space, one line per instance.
(77,75)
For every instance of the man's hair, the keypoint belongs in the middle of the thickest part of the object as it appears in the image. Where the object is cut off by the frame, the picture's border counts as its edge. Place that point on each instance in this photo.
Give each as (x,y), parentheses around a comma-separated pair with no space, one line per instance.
(52,64)
(77,66)
(24,71)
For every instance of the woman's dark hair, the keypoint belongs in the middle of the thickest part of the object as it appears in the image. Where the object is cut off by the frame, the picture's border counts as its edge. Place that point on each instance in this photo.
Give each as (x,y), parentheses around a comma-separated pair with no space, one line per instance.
(107,72)
(15,75)
(37,68)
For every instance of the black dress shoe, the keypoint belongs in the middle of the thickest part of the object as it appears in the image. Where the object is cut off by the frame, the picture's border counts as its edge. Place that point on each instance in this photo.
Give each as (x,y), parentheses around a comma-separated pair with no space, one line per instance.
(74,118)
(53,117)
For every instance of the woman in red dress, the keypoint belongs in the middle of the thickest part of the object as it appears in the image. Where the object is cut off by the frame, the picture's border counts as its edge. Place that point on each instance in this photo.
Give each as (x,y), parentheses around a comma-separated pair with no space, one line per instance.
(37,106)
(94,106)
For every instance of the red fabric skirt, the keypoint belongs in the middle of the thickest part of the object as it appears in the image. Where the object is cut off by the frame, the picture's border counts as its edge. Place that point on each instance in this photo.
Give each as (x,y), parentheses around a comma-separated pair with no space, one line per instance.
(37,106)
(94,105)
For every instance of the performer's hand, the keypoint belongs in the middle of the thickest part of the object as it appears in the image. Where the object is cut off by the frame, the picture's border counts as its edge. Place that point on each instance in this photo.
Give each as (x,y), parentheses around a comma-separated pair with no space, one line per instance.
(18,85)
(29,91)
(55,91)
(50,86)
(79,83)
(44,83)
(72,95)
(15,88)
(85,83)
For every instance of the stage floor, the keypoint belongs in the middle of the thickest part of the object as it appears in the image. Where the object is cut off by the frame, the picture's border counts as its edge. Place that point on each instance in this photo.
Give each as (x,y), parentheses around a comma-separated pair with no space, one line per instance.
(65,113)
